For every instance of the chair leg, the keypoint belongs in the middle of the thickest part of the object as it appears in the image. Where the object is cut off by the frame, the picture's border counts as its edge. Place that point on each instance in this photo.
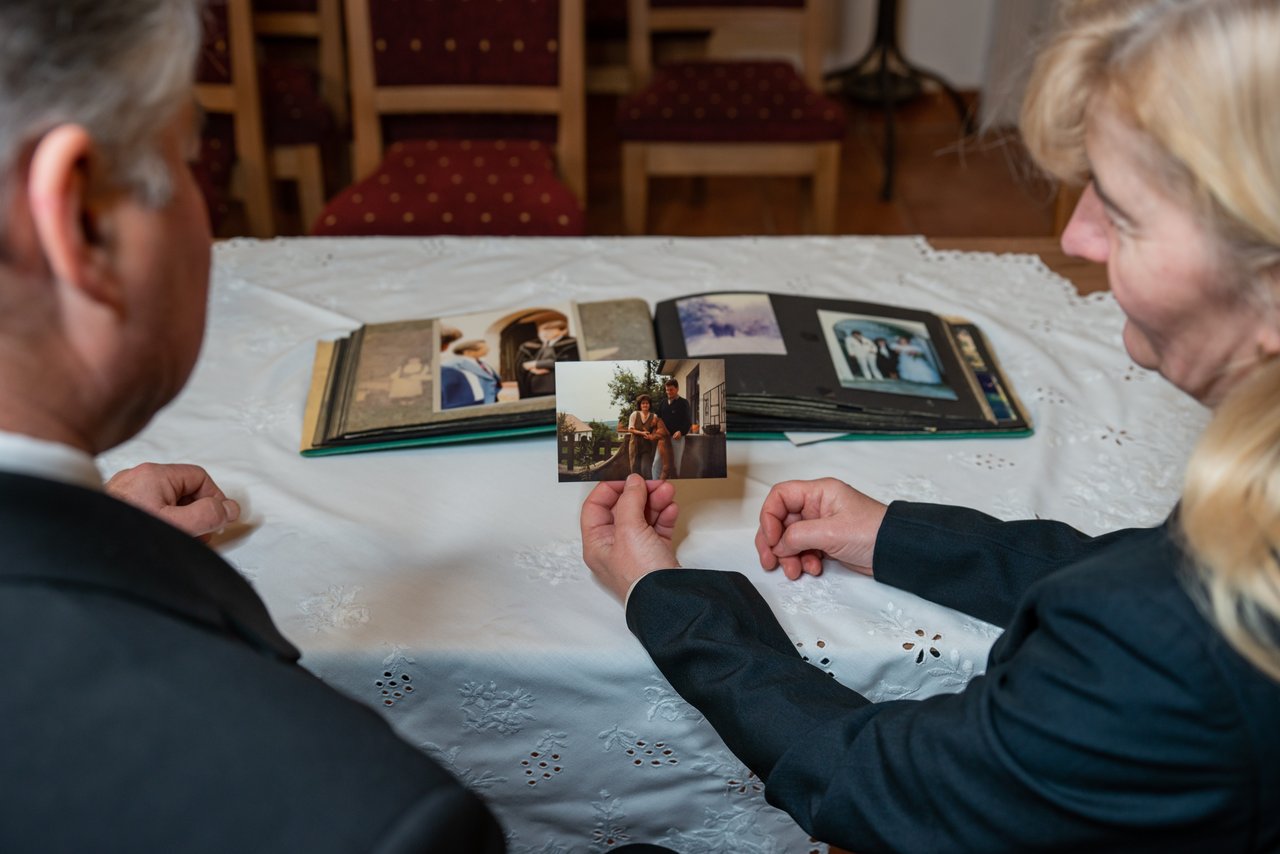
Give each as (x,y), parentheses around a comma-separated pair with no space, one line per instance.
(826,187)
(635,188)
(310,180)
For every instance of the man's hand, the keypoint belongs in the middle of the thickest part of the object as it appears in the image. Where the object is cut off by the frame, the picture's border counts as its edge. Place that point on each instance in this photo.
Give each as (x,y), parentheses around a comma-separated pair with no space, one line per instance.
(626,531)
(180,494)
(803,521)
(676,435)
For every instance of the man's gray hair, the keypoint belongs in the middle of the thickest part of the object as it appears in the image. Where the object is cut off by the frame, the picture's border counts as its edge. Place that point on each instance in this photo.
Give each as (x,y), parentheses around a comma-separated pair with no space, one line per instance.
(119,68)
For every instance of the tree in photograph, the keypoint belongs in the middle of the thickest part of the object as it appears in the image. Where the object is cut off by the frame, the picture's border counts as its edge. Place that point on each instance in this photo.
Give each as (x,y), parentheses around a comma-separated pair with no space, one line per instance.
(625,387)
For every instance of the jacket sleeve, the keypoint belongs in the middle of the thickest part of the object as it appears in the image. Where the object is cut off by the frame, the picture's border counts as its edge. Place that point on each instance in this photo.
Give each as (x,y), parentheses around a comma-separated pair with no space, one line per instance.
(1088,735)
(973,562)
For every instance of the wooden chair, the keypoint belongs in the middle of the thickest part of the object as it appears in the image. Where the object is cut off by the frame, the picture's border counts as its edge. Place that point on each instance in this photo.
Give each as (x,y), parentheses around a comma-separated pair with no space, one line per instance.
(229,84)
(318,20)
(483,106)
(729,117)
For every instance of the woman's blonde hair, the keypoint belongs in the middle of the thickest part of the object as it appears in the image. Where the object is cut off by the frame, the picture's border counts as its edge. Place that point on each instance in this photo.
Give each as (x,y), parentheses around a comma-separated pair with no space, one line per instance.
(1199,80)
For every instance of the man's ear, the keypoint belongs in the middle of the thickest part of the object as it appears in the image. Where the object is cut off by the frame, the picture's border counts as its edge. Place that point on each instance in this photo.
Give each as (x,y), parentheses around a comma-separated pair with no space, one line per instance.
(67,208)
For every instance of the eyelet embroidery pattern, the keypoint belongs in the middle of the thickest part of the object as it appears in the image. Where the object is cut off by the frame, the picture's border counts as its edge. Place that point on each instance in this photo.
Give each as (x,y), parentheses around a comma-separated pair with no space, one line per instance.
(816,654)
(922,645)
(546,760)
(393,683)
(484,707)
(642,753)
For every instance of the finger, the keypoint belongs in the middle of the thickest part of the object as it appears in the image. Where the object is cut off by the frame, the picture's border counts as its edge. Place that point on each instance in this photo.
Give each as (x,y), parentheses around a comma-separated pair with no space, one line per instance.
(811,562)
(665,524)
(597,510)
(203,516)
(790,567)
(768,560)
(187,480)
(804,536)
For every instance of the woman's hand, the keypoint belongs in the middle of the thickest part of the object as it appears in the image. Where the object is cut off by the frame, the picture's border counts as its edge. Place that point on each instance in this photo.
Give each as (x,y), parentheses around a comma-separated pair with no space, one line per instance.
(626,531)
(803,521)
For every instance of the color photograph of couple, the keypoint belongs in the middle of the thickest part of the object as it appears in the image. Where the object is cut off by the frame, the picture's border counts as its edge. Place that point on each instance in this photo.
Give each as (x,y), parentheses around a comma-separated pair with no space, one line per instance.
(660,418)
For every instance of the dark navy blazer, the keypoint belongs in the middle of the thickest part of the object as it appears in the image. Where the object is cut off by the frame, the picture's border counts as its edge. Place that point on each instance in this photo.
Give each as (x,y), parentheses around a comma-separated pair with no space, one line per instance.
(149,704)
(1112,716)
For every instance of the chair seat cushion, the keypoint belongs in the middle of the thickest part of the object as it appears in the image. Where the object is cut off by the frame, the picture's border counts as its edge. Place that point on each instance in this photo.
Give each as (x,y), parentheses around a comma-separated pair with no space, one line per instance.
(491,187)
(729,102)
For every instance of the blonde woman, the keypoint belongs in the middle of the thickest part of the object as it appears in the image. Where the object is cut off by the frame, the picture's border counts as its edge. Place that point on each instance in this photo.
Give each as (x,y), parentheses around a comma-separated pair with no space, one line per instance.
(1132,702)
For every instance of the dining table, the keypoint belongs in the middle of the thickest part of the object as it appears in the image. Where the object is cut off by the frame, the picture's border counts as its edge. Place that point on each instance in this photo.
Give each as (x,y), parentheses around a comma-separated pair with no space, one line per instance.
(445,587)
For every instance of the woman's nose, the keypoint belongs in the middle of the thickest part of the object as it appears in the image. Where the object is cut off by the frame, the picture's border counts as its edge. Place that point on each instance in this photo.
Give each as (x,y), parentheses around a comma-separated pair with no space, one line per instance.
(1086,233)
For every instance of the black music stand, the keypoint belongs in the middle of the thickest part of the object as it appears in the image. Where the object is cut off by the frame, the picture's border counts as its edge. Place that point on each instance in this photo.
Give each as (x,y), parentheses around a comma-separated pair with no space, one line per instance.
(883,75)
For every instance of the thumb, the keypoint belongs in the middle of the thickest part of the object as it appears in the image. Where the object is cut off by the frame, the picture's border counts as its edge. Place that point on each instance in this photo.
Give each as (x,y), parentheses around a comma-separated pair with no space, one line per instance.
(629,510)
(804,536)
(202,516)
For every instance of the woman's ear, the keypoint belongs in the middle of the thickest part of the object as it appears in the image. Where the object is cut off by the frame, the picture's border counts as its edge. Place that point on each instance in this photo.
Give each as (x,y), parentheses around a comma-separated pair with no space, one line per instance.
(67,210)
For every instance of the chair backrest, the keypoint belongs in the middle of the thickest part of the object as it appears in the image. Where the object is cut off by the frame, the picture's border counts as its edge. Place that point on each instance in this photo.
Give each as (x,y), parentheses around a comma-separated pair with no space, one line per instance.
(807,18)
(227,83)
(521,58)
(320,20)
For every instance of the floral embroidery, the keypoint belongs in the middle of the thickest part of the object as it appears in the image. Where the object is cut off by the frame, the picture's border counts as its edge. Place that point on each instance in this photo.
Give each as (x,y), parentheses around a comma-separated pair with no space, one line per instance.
(810,595)
(952,671)
(335,608)
(667,704)
(475,780)
(557,563)
(732,831)
(609,830)
(485,707)
(738,779)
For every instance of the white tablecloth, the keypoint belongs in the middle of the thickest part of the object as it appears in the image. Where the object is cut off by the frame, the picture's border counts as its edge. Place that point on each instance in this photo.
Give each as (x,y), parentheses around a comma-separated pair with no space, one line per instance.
(445,586)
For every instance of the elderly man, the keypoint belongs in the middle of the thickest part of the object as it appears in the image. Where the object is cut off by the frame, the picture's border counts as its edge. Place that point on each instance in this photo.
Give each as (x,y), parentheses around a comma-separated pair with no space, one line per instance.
(149,703)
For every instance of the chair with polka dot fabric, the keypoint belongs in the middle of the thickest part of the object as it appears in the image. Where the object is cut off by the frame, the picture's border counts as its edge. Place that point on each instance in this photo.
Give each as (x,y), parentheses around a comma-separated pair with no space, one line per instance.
(315,20)
(729,117)
(468,119)
(271,119)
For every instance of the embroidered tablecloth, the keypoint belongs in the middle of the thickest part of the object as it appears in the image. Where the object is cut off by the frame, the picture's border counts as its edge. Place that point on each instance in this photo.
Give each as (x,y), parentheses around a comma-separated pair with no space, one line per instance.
(445,587)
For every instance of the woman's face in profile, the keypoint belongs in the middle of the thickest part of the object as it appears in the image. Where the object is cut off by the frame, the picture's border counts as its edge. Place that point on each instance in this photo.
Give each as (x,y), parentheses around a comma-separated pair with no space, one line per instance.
(1184,316)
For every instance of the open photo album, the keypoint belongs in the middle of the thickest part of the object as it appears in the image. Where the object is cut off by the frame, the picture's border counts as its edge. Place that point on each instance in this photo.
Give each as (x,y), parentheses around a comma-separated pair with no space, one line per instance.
(791,363)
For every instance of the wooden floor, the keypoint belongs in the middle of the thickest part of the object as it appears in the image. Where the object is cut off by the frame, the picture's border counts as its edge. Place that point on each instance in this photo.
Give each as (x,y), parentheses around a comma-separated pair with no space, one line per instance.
(945,185)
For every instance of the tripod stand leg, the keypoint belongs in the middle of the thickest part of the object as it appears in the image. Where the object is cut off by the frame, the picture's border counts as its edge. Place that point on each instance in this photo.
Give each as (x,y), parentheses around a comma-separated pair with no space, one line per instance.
(962,109)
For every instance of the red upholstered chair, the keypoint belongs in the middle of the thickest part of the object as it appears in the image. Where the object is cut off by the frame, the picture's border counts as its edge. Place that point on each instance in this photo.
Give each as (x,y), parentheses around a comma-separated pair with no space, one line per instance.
(468,119)
(729,117)
(317,20)
(236,94)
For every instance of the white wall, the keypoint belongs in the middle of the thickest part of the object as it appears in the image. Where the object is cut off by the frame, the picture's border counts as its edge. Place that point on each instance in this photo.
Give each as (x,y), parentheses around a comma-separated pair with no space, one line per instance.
(949,37)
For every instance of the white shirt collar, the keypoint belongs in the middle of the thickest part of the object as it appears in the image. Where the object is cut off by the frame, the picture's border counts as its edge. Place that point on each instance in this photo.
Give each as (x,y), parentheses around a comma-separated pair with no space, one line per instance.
(41,458)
